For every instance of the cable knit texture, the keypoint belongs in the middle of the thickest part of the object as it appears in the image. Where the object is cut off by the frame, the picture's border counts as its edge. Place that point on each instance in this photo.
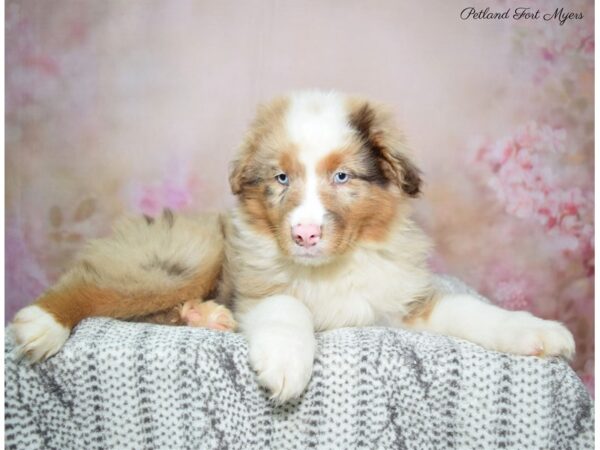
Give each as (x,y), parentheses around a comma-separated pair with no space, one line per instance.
(119,385)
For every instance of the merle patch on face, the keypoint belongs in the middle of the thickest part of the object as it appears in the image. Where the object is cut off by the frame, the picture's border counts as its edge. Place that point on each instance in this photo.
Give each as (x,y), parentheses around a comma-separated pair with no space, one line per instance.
(285,174)
(383,164)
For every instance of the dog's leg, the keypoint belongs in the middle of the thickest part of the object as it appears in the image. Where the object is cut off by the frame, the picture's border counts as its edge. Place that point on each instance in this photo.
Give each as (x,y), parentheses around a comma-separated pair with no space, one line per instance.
(467,317)
(147,266)
(280,334)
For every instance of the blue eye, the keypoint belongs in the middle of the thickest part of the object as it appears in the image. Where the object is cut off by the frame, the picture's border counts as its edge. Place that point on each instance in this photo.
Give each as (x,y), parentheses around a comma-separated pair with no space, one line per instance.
(341,177)
(282,178)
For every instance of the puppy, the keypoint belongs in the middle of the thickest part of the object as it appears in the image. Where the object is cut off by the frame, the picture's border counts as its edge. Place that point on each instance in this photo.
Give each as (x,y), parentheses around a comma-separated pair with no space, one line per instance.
(321,238)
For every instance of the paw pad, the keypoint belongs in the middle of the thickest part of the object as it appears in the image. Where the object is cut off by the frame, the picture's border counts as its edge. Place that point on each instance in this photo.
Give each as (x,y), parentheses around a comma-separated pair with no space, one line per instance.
(207,314)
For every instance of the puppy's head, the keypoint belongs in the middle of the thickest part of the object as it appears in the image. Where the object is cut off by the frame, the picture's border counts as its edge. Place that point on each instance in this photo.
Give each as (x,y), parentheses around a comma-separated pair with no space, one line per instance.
(322,173)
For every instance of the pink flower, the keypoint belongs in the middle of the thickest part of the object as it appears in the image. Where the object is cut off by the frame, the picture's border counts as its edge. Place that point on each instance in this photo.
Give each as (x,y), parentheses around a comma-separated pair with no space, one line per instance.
(548,55)
(174,191)
(527,174)
(151,199)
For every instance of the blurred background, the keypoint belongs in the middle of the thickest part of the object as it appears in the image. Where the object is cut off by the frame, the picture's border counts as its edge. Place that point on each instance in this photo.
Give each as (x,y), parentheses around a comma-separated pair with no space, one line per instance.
(116,107)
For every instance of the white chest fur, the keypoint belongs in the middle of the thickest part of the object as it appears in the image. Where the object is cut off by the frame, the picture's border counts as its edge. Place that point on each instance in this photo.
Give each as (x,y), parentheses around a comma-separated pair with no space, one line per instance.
(357,291)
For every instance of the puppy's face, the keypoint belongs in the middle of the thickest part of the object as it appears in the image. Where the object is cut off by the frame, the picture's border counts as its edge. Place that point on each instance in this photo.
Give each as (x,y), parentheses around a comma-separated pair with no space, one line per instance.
(321,173)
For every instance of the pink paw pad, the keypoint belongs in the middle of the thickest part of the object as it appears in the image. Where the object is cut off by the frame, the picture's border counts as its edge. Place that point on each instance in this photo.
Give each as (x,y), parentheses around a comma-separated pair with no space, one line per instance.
(207,314)
(532,344)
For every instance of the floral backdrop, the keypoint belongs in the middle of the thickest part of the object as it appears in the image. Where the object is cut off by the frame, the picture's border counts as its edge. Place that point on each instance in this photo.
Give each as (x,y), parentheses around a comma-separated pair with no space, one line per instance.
(122,107)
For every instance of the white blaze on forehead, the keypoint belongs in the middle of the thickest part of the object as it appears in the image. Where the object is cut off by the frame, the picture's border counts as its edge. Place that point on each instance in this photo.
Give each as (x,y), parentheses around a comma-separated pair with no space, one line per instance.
(317,123)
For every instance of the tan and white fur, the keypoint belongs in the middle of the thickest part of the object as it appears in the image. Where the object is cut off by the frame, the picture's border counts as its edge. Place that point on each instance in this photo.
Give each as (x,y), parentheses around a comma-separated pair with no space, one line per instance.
(321,238)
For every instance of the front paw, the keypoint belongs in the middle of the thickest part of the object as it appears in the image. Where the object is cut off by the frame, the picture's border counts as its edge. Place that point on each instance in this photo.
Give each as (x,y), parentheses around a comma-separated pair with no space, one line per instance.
(37,333)
(525,334)
(283,363)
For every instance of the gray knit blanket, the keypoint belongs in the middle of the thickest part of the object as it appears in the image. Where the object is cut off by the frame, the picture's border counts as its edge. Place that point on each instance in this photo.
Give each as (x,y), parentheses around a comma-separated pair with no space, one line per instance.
(119,385)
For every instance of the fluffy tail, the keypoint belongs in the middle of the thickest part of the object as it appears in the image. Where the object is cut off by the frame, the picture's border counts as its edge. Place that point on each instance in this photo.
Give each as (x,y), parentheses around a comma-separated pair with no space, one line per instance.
(147,265)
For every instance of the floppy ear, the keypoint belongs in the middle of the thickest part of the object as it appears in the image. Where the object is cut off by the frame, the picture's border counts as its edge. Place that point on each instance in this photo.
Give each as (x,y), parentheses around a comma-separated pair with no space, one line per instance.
(375,126)
(245,167)
(241,169)
(236,176)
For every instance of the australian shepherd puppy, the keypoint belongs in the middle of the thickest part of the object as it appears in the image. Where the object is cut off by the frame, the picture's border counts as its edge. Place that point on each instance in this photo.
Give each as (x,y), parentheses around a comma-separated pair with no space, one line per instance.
(321,238)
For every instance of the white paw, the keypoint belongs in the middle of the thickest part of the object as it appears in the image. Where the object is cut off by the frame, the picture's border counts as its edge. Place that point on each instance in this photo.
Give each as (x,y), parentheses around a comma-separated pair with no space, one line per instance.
(37,333)
(524,334)
(283,362)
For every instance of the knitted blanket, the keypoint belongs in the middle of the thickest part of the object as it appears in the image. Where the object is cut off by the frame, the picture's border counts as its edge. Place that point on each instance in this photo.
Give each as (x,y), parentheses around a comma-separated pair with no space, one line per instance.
(119,385)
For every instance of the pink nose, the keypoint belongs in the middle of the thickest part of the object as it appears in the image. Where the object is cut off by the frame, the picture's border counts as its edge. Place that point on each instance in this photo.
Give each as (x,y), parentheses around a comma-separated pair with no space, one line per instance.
(306,235)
